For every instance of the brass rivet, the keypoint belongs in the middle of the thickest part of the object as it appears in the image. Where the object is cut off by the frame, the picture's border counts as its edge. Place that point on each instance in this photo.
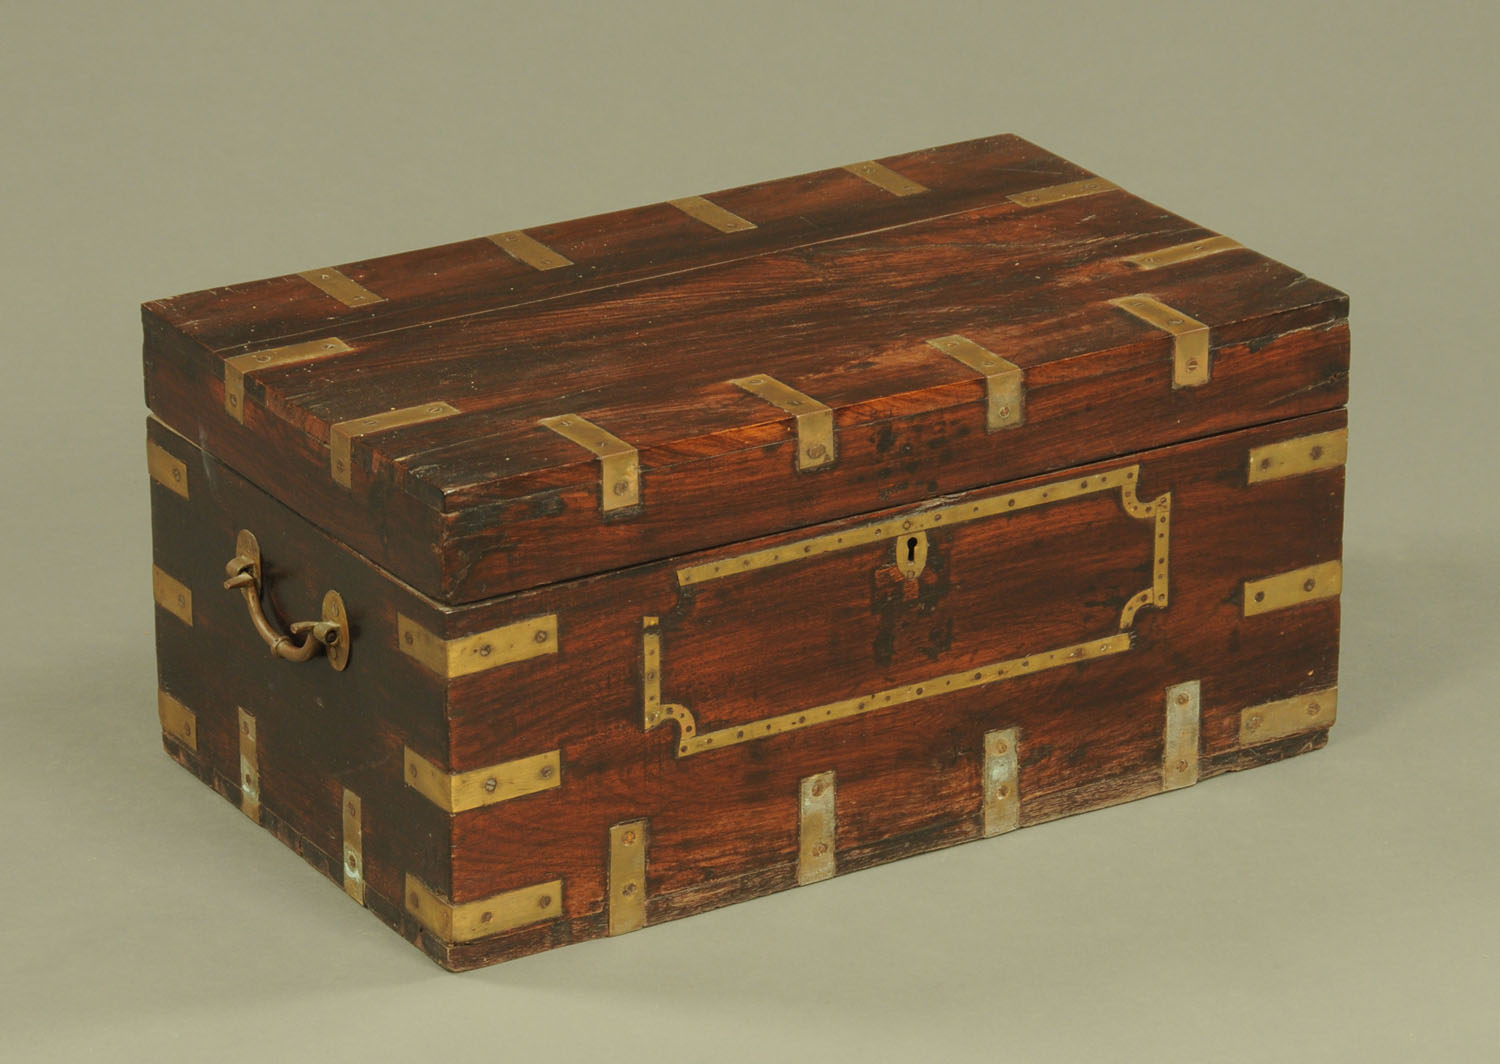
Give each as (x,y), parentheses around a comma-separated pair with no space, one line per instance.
(1254,721)
(234,400)
(351,863)
(1309,584)
(486,917)
(1317,452)
(408,637)
(176,474)
(547,771)
(1182,765)
(1265,463)
(1312,709)
(414,773)
(1182,700)
(1002,746)
(486,650)
(621,487)
(351,809)
(817,789)
(628,889)
(490,784)
(540,637)
(1192,364)
(1260,596)
(816,450)
(820,849)
(1001,791)
(545,900)
(1005,411)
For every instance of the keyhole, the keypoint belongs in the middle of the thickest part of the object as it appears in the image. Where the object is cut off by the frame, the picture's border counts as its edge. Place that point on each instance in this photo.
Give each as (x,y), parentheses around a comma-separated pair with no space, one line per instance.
(911,549)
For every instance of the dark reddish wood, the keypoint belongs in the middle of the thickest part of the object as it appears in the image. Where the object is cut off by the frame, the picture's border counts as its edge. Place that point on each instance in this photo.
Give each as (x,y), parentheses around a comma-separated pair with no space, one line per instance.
(487,502)
(723,823)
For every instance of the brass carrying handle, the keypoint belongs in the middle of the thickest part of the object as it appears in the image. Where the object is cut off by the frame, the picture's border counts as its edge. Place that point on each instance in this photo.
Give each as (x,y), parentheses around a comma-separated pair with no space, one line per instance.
(331,634)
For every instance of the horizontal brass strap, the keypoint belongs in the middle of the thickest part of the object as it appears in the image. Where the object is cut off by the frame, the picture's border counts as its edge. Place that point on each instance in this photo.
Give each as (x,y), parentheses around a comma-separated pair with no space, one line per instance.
(472,920)
(460,791)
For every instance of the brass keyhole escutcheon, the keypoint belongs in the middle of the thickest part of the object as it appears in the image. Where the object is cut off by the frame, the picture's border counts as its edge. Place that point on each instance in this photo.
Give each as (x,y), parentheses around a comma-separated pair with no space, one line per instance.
(911,554)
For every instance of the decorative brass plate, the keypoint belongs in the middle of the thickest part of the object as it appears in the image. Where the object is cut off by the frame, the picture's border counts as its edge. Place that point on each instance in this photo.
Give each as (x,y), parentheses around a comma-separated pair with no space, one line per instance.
(172,595)
(483,650)
(342,434)
(530,251)
(461,791)
(341,287)
(1190,364)
(1194,249)
(1004,382)
(166,470)
(1290,716)
(1002,781)
(619,463)
(354,847)
(177,720)
(816,445)
(817,828)
(886,178)
(627,876)
(1179,761)
(712,214)
(656,712)
(1299,456)
(236,367)
(488,916)
(1309,584)
(1038,197)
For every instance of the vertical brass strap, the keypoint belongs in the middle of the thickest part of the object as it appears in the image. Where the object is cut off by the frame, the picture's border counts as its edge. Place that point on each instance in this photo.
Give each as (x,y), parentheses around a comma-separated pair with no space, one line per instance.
(1002,791)
(817,445)
(1179,760)
(627,876)
(1190,358)
(1004,381)
(619,463)
(354,847)
(817,828)
(249,767)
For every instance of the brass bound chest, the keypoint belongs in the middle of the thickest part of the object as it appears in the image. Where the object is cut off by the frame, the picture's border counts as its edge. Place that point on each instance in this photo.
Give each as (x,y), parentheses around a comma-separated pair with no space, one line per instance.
(550,584)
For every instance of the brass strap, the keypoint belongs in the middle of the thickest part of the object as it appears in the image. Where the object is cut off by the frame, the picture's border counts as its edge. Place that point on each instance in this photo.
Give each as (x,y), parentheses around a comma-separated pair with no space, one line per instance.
(1179,760)
(354,847)
(816,443)
(458,792)
(712,214)
(817,828)
(166,470)
(1193,249)
(480,651)
(1298,456)
(341,287)
(236,367)
(1039,197)
(342,434)
(249,767)
(627,876)
(1325,580)
(884,177)
(1190,364)
(619,463)
(472,920)
(1002,781)
(1004,382)
(177,720)
(172,595)
(528,250)
(1290,716)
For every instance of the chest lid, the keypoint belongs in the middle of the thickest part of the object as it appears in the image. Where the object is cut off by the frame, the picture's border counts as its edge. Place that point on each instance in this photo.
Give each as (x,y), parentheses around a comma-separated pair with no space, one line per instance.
(534,406)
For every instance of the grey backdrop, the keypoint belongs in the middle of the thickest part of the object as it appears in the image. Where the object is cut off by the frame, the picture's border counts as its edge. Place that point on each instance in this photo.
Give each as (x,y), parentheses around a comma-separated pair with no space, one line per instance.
(1341,906)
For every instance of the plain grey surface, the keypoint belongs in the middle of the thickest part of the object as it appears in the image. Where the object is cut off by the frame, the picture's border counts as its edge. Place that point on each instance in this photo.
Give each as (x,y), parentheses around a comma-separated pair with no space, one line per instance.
(1341,906)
